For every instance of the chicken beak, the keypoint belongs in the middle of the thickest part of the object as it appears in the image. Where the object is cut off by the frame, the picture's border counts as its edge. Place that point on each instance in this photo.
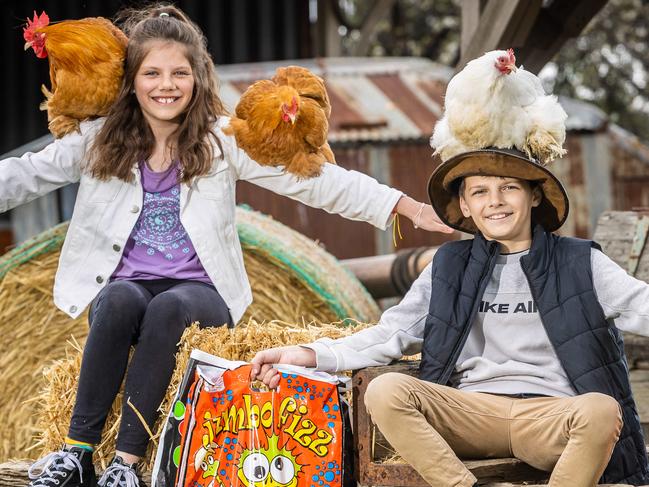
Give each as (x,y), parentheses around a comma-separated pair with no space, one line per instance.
(293,117)
(28,45)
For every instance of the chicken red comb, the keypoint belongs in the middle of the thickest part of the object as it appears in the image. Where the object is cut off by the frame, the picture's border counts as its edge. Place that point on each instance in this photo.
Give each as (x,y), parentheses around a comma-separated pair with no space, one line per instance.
(510,53)
(36,23)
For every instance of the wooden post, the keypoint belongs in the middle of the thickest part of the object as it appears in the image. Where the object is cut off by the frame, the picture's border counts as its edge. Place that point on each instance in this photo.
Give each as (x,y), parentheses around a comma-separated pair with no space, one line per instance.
(471,12)
(502,24)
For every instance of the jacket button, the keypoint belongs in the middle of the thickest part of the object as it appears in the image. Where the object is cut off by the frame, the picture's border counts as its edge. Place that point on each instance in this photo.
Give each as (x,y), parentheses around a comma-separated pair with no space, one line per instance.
(116,248)
(99,279)
(73,309)
(135,209)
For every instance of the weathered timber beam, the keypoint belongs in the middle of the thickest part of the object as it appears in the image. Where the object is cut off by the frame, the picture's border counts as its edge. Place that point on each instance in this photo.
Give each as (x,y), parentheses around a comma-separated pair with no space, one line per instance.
(502,24)
(554,26)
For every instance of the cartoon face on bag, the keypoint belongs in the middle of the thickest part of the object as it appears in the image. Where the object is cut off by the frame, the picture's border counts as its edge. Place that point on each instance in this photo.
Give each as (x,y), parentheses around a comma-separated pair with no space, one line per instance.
(205,461)
(273,466)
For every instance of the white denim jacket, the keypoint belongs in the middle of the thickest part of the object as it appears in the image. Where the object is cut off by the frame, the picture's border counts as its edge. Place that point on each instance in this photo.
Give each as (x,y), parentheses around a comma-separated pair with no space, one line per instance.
(106,211)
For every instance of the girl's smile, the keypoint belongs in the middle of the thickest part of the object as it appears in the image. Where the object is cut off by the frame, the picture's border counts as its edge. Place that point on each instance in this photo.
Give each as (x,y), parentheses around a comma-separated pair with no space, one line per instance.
(164,84)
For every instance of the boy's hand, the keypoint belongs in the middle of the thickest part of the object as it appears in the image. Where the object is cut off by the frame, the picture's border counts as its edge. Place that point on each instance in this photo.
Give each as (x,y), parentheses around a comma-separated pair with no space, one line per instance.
(262,364)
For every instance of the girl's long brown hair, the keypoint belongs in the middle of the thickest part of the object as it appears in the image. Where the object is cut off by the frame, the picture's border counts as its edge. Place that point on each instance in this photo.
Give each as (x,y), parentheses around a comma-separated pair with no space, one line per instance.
(126,138)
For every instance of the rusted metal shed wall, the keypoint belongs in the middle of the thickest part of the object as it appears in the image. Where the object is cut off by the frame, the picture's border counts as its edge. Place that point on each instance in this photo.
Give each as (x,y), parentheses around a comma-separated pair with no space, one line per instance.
(607,169)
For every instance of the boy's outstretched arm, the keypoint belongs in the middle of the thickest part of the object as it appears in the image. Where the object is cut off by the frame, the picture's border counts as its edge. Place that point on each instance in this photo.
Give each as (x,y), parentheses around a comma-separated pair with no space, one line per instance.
(262,364)
(399,332)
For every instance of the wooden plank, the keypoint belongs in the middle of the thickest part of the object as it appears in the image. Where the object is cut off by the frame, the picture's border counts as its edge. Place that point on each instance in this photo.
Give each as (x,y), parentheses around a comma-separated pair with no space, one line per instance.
(380,9)
(14,474)
(507,484)
(616,233)
(636,349)
(502,25)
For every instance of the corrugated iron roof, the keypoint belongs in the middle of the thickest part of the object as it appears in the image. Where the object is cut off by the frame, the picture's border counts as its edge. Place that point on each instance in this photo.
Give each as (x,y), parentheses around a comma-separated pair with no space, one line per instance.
(381,99)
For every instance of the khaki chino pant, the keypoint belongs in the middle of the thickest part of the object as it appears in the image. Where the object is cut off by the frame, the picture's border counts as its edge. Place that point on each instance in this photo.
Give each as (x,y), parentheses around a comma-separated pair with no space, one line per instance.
(431,425)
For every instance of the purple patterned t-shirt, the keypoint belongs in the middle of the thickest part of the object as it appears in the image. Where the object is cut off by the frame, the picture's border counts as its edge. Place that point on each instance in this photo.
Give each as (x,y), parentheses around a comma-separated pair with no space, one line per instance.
(159,246)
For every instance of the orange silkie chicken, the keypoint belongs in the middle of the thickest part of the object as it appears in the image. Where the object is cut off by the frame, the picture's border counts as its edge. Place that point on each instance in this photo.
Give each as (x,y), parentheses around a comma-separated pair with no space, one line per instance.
(283,122)
(86,68)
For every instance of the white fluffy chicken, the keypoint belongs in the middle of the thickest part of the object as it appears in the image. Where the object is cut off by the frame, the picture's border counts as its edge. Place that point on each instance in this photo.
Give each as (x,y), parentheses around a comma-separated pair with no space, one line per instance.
(492,103)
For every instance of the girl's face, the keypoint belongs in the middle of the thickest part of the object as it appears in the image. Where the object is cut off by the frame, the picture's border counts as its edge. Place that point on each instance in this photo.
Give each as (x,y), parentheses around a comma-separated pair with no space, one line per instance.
(164,83)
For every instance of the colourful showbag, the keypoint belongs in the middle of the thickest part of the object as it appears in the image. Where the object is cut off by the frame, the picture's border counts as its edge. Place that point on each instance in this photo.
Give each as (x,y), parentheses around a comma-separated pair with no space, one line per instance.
(222,432)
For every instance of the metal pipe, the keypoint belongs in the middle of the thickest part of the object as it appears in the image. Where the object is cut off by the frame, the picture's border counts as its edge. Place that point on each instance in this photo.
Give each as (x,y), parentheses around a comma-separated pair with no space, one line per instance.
(390,275)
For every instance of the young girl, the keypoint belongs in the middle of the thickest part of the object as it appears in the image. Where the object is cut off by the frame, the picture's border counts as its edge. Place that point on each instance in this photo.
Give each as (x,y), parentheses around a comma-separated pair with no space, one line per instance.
(152,245)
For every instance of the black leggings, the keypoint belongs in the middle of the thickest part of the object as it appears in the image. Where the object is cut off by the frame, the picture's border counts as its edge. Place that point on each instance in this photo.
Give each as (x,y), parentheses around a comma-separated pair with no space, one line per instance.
(151,315)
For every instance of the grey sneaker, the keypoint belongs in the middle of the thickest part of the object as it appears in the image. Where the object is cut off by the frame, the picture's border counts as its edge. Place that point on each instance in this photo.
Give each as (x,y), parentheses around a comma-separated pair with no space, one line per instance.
(70,467)
(121,474)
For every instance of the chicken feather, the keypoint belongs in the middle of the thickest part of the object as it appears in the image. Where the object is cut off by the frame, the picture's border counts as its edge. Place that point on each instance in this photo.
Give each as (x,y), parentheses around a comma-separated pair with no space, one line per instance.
(284,122)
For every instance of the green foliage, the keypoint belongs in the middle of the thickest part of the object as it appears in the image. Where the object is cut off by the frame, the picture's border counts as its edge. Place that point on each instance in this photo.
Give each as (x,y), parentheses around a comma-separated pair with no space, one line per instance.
(608,64)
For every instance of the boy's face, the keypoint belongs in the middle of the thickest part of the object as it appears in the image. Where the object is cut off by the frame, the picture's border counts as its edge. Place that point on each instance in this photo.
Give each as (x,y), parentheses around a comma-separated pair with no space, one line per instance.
(501,208)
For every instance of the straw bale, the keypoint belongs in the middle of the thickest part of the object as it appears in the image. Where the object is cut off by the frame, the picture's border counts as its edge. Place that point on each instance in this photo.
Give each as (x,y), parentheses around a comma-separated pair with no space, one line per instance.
(241,343)
(292,279)
(33,332)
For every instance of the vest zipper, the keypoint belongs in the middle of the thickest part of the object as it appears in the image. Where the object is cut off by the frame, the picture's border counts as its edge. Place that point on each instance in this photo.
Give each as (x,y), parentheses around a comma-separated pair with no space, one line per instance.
(534,297)
(446,375)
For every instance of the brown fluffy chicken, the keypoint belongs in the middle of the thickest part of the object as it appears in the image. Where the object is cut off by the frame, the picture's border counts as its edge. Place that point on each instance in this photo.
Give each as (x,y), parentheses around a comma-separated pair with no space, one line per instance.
(86,68)
(283,122)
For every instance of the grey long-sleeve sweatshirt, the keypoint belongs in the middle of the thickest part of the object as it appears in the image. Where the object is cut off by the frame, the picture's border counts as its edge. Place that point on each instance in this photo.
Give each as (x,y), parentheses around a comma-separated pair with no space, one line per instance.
(508,350)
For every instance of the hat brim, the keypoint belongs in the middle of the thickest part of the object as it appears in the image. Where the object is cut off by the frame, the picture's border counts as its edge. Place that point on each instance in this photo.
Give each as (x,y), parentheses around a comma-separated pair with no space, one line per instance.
(551,212)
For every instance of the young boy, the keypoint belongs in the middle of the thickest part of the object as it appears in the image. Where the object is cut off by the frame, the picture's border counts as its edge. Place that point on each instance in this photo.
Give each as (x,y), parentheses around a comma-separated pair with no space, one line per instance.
(518,331)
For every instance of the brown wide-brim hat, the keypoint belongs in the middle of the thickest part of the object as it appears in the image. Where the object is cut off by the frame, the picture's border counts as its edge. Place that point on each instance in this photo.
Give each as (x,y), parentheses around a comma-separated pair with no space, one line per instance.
(444,184)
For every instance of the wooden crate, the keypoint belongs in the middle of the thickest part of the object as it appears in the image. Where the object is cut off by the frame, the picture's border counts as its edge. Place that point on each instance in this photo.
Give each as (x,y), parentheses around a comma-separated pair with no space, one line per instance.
(372,449)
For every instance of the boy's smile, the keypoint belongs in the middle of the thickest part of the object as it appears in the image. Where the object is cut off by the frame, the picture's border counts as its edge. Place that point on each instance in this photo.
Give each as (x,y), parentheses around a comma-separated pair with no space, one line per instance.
(501,208)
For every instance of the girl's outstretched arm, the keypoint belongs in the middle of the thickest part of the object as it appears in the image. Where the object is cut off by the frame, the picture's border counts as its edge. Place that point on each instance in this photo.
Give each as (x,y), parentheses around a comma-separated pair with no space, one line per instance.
(352,194)
(25,178)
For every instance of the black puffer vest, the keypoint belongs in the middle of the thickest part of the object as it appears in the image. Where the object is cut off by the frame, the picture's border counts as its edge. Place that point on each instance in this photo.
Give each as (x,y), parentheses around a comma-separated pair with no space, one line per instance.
(590,349)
